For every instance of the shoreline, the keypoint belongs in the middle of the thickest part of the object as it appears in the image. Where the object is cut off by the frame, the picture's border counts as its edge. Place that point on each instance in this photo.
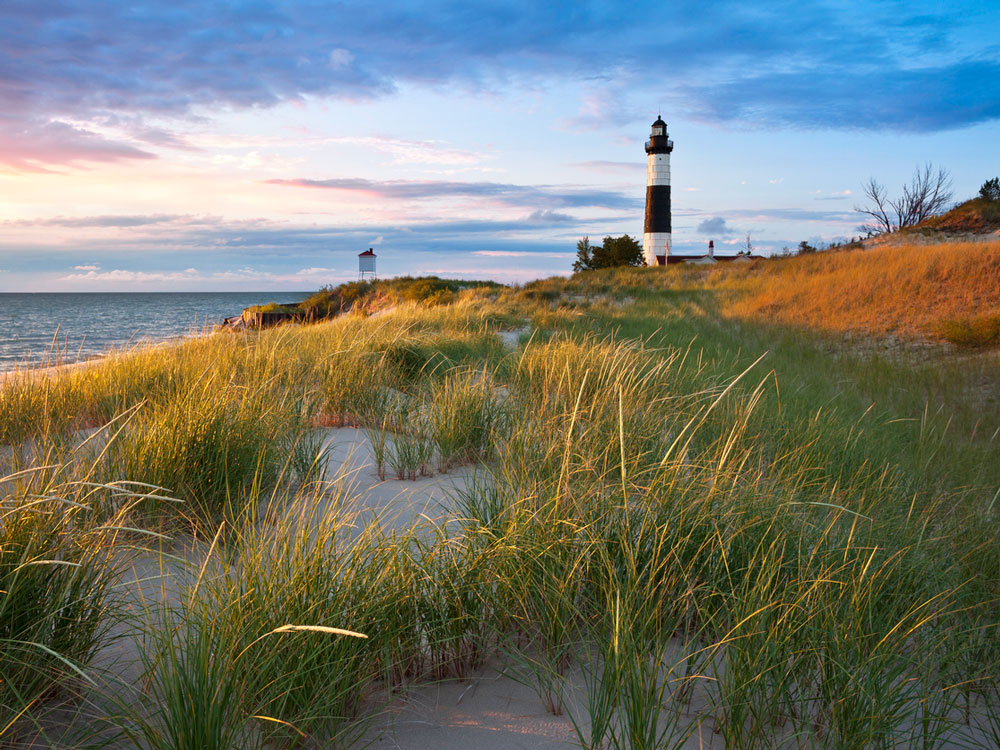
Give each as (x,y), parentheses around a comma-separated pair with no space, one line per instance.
(30,373)
(39,331)
(47,370)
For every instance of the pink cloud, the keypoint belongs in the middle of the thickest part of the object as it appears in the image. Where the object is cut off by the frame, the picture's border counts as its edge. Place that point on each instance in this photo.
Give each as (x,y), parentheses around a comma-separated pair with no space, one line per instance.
(35,146)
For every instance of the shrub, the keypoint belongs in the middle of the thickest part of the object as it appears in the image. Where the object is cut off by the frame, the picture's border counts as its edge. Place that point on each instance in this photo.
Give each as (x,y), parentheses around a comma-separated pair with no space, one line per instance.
(973,333)
(430,291)
(990,190)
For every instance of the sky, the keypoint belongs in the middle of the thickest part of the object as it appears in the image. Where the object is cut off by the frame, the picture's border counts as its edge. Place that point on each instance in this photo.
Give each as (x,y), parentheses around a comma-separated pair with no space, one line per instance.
(185,146)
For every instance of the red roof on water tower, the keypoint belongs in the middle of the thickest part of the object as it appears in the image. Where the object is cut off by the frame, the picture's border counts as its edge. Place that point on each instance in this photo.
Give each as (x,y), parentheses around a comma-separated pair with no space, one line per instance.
(366,252)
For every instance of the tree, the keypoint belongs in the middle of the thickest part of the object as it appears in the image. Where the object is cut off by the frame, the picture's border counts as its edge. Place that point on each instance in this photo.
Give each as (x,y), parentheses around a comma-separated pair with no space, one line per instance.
(614,251)
(928,194)
(990,190)
(584,261)
(805,247)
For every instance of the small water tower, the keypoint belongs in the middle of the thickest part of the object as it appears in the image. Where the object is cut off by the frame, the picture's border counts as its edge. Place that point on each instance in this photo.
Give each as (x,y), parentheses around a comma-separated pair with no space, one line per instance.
(366,264)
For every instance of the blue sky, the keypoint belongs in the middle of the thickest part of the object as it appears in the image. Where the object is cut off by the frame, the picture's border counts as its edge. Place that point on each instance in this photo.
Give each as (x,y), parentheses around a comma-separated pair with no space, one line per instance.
(262,145)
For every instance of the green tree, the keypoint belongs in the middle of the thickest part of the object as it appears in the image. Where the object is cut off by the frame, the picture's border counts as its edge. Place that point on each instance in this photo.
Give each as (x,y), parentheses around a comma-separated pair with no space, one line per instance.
(805,247)
(614,251)
(990,190)
(584,261)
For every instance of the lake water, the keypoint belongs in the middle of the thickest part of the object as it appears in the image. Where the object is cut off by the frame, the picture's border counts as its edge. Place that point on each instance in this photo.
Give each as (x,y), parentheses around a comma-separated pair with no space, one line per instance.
(46,328)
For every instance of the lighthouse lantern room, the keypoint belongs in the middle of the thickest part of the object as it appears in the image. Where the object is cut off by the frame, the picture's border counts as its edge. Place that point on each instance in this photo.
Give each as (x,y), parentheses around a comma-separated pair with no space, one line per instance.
(656,232)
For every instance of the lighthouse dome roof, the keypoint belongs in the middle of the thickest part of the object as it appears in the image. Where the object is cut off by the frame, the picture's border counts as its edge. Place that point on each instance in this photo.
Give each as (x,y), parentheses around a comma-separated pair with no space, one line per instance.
(659,121)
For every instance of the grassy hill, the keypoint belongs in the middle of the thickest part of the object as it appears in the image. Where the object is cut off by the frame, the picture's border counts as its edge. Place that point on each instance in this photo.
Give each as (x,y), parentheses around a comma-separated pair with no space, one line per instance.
(975,216)
(947,291)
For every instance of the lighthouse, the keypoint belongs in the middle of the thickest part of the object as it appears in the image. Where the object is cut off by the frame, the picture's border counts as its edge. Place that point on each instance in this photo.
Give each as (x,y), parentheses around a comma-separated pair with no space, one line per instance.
(656,232)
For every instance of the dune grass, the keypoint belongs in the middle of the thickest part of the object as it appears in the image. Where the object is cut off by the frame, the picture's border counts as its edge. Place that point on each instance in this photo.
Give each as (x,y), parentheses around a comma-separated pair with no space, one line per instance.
(677,520)
(905,289)
(60,535)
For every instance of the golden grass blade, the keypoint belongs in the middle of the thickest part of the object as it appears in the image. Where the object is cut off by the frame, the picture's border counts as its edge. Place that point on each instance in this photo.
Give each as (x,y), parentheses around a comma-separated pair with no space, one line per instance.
(316,629)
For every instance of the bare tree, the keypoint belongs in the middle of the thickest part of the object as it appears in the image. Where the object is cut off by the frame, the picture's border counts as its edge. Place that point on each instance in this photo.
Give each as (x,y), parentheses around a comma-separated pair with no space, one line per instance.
(928,194)
(878,210)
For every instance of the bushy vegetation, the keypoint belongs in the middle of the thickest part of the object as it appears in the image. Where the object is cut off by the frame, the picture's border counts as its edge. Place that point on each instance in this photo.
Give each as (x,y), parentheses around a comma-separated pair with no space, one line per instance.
(990,190)
(611,253)
(976,332)
(677,520)
(377,293)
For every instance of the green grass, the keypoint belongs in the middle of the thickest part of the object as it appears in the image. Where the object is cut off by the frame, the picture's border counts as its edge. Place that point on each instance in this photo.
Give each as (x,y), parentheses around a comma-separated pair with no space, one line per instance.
(58,533)
(715,524)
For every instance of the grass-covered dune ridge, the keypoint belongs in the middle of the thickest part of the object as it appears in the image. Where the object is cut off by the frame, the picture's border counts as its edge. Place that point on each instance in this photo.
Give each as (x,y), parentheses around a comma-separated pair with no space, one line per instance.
(371,295)
(976,216)
(906,289)
(680,523)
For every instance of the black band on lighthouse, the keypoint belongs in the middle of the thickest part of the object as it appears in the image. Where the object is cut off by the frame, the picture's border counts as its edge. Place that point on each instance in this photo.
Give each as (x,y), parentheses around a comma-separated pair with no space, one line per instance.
(657,209)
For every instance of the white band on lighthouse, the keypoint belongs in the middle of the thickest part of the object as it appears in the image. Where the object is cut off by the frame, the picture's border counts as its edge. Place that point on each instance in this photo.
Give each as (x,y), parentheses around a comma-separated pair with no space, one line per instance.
(653,244)
(658,171)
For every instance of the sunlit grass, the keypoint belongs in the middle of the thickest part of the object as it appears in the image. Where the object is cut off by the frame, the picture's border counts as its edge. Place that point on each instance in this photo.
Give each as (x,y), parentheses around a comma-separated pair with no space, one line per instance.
(674,520)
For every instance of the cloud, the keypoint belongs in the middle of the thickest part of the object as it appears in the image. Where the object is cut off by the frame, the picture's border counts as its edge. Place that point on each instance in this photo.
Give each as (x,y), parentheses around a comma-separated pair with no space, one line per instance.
(792,214)
(410,151)
(132,277)
(548,218)
(158,245)
(715,226)
(340,59)
(602,108)
(30,145)
(548,196)
(101,221)
(623,167)
(915,67)
(190,276)
(905,99)
(521,254)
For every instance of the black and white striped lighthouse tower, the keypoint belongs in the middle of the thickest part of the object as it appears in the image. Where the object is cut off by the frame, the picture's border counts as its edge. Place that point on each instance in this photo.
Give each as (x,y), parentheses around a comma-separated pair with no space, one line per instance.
(656,232)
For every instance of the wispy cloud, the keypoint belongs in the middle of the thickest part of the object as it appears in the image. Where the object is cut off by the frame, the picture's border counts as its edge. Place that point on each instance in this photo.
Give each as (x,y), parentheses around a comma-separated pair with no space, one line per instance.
(133,277)
(791,214)
(630,168)
(190,276)
(101,221)
(32,145)
(521,254)
(839,196)
(548,196)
